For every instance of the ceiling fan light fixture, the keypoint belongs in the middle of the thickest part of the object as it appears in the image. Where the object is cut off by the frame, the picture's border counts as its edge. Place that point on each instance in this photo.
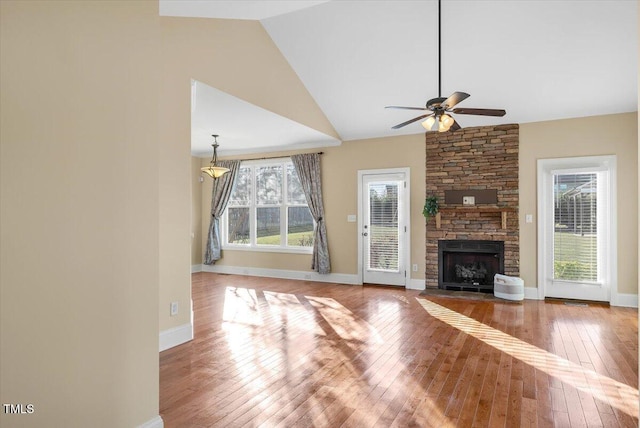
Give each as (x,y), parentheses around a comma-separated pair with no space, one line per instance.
(445,123)
(446,120)
(428,124)
(213,170)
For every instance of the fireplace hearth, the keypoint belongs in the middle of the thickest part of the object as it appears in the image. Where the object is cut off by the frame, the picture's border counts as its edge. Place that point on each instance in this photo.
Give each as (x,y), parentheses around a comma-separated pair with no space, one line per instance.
(469,265)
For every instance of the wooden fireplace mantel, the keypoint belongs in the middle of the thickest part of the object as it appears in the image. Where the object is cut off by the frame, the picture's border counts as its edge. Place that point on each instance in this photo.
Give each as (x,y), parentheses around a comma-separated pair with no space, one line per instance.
(503,211)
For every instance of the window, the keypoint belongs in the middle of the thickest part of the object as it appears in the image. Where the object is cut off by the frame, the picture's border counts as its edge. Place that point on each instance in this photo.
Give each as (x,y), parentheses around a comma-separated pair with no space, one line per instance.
(267,209)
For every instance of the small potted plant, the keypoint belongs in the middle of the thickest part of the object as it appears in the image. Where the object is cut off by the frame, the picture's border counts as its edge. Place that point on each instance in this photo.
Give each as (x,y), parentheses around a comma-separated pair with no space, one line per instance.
(430,207)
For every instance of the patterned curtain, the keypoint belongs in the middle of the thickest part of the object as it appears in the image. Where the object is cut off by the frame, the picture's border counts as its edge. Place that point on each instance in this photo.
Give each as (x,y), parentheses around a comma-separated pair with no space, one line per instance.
(308,169)
(222,188)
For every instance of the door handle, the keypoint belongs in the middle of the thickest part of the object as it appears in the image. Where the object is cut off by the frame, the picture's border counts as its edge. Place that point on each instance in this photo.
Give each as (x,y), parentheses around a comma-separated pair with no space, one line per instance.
(365,234)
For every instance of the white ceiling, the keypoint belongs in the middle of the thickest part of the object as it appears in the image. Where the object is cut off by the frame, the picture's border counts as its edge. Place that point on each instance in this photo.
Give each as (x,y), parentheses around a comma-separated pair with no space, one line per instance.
(539,60)
(243,127)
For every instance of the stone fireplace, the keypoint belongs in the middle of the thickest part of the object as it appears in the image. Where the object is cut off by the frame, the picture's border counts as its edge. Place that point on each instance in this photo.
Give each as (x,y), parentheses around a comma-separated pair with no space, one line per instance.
(473,172)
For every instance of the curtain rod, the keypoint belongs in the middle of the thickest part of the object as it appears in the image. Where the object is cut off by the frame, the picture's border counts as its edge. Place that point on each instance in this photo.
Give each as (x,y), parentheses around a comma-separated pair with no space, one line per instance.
(274,157)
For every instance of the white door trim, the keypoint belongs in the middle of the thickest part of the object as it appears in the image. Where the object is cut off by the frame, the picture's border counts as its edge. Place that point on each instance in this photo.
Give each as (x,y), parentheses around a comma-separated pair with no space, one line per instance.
(407,201)
(545,220)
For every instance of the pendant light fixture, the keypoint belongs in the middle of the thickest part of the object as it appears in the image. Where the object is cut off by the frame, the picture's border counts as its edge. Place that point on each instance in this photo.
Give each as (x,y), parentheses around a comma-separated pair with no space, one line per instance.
(213,170)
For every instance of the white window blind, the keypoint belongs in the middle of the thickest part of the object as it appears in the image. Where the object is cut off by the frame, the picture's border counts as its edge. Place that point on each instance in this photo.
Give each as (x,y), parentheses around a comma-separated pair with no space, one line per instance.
(383,223)
(575,241)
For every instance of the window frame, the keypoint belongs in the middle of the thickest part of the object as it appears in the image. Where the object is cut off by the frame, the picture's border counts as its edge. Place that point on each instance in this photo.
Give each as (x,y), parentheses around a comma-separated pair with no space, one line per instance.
(253,206)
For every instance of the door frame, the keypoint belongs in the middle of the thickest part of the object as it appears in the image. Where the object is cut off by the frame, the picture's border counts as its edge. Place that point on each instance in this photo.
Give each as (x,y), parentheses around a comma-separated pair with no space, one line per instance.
(546,168)
(406,208)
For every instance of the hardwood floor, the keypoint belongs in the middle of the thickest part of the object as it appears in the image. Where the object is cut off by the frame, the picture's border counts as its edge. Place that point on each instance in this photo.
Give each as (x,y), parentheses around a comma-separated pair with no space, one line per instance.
(271,352)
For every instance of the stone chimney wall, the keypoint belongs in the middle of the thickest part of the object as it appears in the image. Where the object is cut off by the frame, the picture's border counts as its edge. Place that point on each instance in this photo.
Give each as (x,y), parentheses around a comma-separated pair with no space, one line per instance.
(478,158)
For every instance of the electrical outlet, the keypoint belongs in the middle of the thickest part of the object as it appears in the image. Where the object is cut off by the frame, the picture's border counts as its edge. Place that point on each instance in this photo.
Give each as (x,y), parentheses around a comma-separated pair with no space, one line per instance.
(414,267)
(468,200)
(174,308)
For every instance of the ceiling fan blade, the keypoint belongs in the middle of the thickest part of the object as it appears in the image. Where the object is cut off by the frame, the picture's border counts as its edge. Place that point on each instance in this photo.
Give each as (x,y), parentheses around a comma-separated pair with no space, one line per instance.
(454,99)
(407,108)
(479,111)
(415,119)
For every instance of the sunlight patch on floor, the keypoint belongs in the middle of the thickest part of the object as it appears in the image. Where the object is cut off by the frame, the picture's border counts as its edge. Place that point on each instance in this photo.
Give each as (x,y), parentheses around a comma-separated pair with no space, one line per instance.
(241,306)
(344,322)
(616,394)
(287,308)
(254,321)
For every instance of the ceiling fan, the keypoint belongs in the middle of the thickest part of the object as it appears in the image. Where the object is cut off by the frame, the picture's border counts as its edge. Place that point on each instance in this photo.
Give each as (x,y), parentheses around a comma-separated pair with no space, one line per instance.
(438,109)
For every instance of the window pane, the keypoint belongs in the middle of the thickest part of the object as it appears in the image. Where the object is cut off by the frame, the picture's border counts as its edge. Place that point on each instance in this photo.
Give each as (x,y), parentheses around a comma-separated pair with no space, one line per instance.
(295,194)
(269,185)
(242,190)
(268,221)
(238,225)
(383,222)
(575,235)
(299,227)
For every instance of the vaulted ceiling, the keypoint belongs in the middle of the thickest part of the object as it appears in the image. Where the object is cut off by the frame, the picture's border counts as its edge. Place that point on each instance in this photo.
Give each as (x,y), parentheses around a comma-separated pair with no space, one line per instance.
(539,60)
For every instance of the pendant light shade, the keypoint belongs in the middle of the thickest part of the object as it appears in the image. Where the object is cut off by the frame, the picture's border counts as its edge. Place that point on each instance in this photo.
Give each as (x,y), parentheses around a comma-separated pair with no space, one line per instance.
(213,170)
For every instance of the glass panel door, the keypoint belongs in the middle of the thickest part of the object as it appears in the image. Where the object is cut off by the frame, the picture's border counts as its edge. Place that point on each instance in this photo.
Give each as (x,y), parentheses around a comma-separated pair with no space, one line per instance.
(383,229)
(575,243)
(576,207)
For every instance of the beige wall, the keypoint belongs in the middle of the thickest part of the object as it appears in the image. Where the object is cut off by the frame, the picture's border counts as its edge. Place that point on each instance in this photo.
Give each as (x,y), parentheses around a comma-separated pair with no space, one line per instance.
(237,57)
(340,166)
(79,212)
(601,135)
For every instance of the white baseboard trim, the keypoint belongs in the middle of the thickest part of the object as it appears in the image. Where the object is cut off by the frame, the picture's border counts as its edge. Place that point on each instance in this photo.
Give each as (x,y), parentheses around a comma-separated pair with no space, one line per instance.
(176,336)
(337,278)
(621,300)
(416,284)
(196,268)
(156,422)
(625,300)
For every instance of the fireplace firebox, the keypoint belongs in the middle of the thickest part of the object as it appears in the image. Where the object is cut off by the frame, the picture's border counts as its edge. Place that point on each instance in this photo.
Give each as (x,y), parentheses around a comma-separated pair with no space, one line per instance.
(469,265)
